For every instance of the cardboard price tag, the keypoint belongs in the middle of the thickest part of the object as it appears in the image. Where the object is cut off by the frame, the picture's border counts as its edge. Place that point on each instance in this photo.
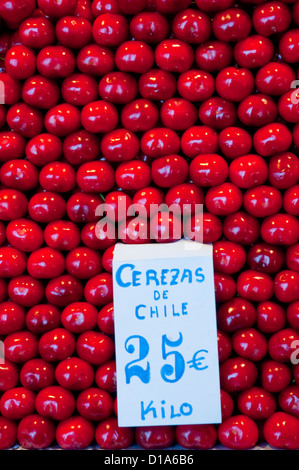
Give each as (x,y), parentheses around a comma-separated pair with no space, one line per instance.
(166,334)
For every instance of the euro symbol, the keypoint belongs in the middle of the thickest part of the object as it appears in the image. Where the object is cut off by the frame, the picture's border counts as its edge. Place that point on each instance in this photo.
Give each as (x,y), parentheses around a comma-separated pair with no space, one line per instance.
(196,361)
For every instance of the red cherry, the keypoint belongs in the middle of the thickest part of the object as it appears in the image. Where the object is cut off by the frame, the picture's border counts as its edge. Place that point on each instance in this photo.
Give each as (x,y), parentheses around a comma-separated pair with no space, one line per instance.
(238,432)
(160,142)
(174,55)
(43,149)
(152,437)
(198,140)
(26,290)
(95,177)
(9,376)
(228,257)
(283,170)
(95,60)
(81,206)
(280,229)
(94,347)
(140,115)
(133,175)
(280,344)
(105,319)
(288,399)
(257,403)
(281,431)
(288,46)
(218,113)
(274,78)
(62,235)
(110,436)
(25,120)
(99,116)
(20,62)
(233,24)
(120,145)
(55,402)
(36,432)
(45,263)
(208,170)
(224,345)
(235,314)
(169,170)
(74,32)
(266,258)
(75,432)
(40,92)
(272,139)
(118,87)
(105,376)
(94,404)
(250,343)
(56,344)
(255,285)
(8,433)
(56,62)
(79,89)
(37,32)
(213,56)
(254,51)
(225,287)
(17,403)
(149,27)
(234,84)
(73,373)
(271,317)
(110,29)
(63,290)
(241,227)
(79,316)
(134,57)
(37,374)
(223,199)
(42,317)
(12,145)
(57,9)
(12,317)
(192,26)
(46,207)
(275,376)
(16,11)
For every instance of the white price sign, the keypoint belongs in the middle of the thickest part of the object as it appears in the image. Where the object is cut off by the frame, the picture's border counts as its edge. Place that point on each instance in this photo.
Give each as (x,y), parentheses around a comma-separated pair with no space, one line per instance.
(166,334)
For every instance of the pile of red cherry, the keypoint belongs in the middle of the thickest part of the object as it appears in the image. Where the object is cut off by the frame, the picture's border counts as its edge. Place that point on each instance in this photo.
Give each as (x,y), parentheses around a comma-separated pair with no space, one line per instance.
(152,101)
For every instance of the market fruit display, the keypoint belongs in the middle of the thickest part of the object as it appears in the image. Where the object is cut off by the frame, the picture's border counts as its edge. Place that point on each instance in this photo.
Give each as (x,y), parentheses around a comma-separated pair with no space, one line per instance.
(147,102)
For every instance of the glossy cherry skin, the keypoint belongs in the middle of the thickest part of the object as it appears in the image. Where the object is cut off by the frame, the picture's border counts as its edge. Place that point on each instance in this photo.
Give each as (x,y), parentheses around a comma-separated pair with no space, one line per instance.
(133,175)
(288,46)
(19,174)
(117,204)
(241,227)
(266,258)
(79,316)
(120,145)
(37,374)
(9,269)
(160,142)
(105,376)
(57,9)
(152,437)
(63,119)
(280,344)
(95,60)
(169,171)
(134,57)
(231,25)
(80,147)
(238,432)
(275,376)
(218,113)
(257,110)
(110,436)
(81,207)
(118,87)
(237,374)
(254,51)
(262,201)
(62,235)
(94,347)
(12,145)
(213,56)
(157,85)
(105,6)
(13,204)
(223,199)
(55,62)
(46,207)
(9,376)
(234,84)
(140,115)
(224,346)
(192,26)
(79,89)
(95,177)
(45,263)
(272,139)
(37,32)
(257,403)
(292,257)
(42,317)
(99,116)
(57,177)
(196,85)
(94,404)
(73,32)
(55,402)
(75,432)
(25,120)
(250,343)
(280,229)
(198,140)
(225,287)
(63,290)
(283,170)
(8,433)
(74,373)
(40,92)
(12,90)
(17,403)
(15,12)
(227,404)
(98,238)
(83,263)
(290,200)
(43,149)
(271,317)
(228,257)
(255,285)
(145,199)
(107,258)
(288,400)
(20,62)
(208,170)
(105,319)
(281,431)
(274,17)
(35,432)
(274,78)
(235,314)
(149,27)
(56,344)
(174,55)
(185,197)
(26,290)
(288,106)
(12,317)
(110,29)
(248,171)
